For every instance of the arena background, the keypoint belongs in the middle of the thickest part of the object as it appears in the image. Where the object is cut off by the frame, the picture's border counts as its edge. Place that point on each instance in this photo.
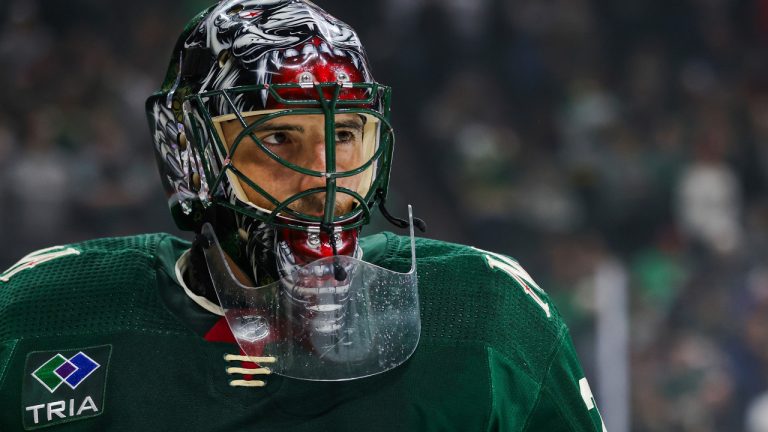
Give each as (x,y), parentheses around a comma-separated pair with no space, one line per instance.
(618,149)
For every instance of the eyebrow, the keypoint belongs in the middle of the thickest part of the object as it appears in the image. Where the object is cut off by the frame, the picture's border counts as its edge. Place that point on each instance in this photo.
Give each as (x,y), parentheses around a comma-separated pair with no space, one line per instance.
(349,124)
(278,128)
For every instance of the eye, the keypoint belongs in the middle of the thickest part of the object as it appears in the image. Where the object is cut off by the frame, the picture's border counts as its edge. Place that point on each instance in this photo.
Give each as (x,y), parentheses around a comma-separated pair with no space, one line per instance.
(345,136)
(275,139)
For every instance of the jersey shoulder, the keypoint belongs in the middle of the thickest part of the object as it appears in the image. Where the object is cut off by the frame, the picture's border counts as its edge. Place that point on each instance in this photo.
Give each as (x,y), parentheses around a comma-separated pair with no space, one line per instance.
(62,263)
(490,272)
(70,285)
(469,294)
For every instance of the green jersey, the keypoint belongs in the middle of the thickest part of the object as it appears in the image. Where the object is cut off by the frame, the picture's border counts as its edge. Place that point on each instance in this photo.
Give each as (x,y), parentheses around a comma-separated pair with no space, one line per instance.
(103,336)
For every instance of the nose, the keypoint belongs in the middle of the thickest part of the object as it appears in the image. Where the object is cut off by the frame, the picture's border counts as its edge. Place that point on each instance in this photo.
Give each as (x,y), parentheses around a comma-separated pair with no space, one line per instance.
(314,159)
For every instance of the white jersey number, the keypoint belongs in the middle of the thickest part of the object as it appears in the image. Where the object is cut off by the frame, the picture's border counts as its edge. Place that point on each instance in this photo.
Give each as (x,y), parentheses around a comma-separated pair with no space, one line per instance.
(36,258)
(516,272)
(589,399)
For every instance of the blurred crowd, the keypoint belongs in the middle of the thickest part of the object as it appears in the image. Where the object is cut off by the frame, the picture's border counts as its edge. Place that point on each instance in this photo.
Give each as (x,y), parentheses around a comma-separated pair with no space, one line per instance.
(574,135)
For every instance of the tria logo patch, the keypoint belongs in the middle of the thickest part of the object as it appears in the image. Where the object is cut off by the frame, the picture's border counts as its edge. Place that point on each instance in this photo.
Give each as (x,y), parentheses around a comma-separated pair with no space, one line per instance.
(59,370)
(63,386)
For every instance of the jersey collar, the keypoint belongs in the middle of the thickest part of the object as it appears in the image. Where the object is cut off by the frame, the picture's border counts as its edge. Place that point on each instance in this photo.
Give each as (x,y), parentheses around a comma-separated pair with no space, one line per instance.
(181,267)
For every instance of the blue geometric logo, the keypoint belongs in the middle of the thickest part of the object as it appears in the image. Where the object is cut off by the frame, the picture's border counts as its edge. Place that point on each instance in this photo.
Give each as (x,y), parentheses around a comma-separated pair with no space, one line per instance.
(59,370)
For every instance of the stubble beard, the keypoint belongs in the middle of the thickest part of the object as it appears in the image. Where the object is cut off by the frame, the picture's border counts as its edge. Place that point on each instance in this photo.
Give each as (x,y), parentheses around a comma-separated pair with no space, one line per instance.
(314,205)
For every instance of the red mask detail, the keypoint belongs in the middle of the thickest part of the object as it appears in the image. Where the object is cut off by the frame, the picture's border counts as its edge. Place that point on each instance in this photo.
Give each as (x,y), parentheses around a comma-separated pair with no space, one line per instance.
(316,61)
(309,247)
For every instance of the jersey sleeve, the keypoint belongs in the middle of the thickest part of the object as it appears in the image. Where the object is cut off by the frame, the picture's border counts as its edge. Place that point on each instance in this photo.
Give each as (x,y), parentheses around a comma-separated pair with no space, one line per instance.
(565,401)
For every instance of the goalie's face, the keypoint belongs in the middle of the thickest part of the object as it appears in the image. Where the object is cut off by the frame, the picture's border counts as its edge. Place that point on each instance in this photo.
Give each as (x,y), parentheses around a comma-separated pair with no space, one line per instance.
(299,140)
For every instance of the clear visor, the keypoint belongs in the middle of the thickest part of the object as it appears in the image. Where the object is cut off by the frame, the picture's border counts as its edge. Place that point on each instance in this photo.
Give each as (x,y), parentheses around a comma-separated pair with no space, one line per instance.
(277,154)
(335,319)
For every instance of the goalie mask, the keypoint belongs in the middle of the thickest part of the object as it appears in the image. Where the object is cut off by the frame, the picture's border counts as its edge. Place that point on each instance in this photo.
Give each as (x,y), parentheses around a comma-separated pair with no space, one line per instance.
(272,136)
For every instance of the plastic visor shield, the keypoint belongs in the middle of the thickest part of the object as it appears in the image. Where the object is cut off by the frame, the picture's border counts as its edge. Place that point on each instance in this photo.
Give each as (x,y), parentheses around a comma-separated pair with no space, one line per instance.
(320,328)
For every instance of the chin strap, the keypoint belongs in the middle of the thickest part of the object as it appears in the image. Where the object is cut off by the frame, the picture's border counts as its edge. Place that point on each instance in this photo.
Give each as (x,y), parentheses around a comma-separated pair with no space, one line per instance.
(396,221)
